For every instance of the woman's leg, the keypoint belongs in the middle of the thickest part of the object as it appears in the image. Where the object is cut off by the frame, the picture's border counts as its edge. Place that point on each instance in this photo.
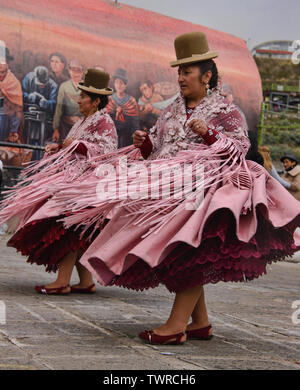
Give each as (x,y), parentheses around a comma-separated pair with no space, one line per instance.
(199,315)
(183,307)
(85,277)
(65,269)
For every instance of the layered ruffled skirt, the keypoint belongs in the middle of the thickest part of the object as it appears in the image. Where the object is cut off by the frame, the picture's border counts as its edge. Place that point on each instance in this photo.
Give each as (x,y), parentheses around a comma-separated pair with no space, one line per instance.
(46,242)
(40,233)
(219,257)
(44,239)
(220,241)
(233,236)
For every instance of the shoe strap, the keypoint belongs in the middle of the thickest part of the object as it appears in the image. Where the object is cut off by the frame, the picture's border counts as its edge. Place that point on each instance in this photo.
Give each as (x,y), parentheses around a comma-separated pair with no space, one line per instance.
(45,290)
(84,289)
(202,331)
(152,335)
(59,288)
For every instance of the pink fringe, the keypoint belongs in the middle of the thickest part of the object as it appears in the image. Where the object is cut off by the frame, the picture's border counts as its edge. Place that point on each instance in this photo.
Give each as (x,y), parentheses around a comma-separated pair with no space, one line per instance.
(38,179)
(222,161)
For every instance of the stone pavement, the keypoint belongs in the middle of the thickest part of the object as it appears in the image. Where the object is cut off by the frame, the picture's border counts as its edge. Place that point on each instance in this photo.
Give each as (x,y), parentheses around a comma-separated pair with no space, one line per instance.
(252,323)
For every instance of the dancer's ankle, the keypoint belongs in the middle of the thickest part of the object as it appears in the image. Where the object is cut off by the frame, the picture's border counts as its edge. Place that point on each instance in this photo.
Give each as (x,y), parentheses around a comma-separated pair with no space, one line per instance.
(199,324)
(58,283)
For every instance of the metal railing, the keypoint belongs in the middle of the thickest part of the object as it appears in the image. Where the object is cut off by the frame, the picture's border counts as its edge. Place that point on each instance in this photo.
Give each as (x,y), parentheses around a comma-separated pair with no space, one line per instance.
(22,146)
(17,168)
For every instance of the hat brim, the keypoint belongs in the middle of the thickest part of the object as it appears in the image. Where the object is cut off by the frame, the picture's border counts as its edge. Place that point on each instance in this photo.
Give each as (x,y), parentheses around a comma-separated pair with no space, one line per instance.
(195,58)
(103,91)
(289,158)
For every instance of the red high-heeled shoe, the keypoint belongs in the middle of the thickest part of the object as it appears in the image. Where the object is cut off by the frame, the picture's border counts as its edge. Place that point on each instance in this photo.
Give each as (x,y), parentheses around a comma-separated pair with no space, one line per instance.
(52,291)
(199,334)
(151,338)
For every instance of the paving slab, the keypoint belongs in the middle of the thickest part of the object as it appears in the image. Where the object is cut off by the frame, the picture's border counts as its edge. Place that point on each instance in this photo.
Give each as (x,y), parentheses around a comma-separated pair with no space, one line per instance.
(254,327)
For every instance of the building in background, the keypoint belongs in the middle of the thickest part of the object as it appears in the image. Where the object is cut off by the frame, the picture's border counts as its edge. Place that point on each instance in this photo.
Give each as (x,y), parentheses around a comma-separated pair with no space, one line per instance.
(274,49)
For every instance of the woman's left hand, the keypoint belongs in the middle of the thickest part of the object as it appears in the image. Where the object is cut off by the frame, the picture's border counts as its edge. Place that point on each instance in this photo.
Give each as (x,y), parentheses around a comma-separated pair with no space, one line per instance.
(198,126)
(67,142)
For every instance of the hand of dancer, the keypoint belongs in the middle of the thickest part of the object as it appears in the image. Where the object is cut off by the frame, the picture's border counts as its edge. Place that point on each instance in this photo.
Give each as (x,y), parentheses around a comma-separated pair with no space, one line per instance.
(51,148)
(139,137)
(198,126)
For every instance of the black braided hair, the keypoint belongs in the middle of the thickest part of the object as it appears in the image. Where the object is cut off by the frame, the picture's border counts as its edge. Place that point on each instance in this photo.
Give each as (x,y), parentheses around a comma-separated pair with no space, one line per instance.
(103,99)
(204,66)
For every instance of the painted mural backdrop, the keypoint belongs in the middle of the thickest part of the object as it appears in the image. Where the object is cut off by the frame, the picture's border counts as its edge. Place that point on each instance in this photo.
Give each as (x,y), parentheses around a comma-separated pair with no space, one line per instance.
(50,44)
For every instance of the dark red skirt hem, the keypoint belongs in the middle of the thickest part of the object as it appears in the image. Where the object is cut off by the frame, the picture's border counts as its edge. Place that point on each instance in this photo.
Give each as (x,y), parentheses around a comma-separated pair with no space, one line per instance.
(46,242)
(220,257)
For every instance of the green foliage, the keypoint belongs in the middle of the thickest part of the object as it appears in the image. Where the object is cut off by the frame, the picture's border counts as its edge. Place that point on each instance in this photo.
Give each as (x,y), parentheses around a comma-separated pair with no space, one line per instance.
(297,152)
(278,151)
(282,137)
(278,71)
(280,131)
(281,141)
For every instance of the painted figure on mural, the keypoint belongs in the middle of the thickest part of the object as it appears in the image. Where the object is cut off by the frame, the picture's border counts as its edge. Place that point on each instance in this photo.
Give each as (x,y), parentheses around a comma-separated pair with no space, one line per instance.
(11,103)
(153,101)
(40,89)
(67,110)
(39,97)
(58,68)
(123,109)
(148,99)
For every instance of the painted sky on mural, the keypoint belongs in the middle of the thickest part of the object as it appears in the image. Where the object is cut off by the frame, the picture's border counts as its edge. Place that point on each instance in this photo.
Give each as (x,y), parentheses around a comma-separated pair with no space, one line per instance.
(254,21)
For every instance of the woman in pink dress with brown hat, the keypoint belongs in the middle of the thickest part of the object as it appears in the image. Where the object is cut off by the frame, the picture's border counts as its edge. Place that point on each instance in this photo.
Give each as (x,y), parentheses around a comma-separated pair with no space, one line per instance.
(244,221)
(40,234)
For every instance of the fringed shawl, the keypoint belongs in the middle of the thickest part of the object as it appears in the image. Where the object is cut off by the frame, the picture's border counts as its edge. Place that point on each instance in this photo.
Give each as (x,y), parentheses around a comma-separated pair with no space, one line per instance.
(174,145)
(97,133)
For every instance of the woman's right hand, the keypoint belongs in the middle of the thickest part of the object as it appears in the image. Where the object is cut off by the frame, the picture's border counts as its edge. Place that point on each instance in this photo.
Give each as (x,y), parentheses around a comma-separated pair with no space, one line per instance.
(52,148)
(139,137)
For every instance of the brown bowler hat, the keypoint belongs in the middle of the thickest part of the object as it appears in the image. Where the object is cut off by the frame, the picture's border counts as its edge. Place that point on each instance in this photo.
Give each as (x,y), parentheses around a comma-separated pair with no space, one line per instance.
(192,47)
(96,81)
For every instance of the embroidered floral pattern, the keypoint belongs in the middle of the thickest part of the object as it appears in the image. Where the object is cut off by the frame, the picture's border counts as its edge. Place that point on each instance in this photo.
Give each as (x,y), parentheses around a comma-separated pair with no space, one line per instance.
(98,130)
(171,133)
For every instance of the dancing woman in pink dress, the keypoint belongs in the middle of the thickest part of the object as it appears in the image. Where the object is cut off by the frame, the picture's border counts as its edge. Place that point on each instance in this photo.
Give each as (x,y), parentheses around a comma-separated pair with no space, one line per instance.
(40,235)
(245,220)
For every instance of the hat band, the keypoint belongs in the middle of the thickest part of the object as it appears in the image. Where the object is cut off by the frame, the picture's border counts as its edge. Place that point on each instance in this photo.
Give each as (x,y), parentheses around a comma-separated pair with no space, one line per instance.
(194,55)
(200,54)
(91,86)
